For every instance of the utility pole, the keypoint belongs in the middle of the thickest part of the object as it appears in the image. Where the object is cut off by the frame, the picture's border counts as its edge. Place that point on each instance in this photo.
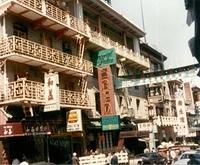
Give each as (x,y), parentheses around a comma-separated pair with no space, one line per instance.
(142,13)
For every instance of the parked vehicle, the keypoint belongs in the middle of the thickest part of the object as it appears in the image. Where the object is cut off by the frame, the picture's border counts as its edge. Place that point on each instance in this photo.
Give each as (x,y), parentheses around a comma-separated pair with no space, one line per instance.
(185,157)
(152,158)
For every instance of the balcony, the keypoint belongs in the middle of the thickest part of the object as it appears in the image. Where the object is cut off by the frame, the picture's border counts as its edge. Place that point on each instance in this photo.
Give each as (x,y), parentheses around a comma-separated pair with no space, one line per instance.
(27,91)
(44,14)
(155,99)
(131,58)
(167,121)
(31,53)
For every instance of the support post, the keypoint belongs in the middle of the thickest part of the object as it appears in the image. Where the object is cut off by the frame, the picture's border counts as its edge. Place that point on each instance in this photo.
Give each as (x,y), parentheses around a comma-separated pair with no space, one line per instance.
(48,158)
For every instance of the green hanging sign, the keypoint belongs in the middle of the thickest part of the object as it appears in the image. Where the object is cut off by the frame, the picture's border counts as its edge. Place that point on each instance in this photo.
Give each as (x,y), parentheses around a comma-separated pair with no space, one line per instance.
(110,123)
(103,58)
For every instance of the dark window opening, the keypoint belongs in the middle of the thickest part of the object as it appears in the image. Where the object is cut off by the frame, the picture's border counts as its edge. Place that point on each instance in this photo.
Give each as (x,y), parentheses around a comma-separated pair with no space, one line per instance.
(20,30)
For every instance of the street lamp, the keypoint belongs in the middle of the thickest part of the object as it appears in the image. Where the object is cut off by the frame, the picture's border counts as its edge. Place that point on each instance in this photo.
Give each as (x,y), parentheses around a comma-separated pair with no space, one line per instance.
(152,144)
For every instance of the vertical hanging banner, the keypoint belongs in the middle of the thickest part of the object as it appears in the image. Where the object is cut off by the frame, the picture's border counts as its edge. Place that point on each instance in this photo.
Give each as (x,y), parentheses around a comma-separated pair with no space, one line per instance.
(102,60)
(106,91)
(182,128)
(74,120)
(51,88)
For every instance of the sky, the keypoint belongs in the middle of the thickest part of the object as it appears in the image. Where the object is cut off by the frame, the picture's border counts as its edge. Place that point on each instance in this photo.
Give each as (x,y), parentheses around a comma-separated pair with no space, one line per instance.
(165,27)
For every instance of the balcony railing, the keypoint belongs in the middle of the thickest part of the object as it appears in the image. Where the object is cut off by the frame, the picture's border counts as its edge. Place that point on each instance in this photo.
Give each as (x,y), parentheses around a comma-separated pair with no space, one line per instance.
(30,49)
(24,90)
(167,121)
(73,98)
(123,51)
(54,13)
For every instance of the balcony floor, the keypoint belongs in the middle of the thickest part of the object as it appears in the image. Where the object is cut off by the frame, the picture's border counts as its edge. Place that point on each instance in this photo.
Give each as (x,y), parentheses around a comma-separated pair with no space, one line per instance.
(42,64)
(41,20)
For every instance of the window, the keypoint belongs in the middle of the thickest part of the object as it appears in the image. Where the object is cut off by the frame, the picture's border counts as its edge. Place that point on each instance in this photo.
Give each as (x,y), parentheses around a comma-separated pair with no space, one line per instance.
(66,47)
(138,103)
(20,30)
(46,40)
(97,98)
(137,87)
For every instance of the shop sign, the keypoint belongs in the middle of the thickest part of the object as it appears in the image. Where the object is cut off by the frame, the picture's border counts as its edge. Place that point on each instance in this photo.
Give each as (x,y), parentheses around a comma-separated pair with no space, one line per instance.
(110,123)
(106,91)
(74,120)
(132,134)
(182,128)
(104,58)
(11,129)
(52,97)
(36,128)
(145,126)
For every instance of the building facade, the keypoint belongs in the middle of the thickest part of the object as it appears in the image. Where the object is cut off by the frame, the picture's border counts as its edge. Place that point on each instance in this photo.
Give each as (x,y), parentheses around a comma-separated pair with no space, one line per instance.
(50,93)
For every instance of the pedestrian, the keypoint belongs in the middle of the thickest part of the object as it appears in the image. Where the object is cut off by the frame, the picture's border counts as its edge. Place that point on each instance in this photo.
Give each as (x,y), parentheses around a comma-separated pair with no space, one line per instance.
(15,161)
(114,159)
(75,160)
(153,149)
(24,161)
(192,160)
(108,158)
(146,150)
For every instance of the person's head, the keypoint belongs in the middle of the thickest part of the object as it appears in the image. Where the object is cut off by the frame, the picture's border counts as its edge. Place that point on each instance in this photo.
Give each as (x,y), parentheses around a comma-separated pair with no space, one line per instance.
(191,156)
(24,157)
(74,154)
(113,152)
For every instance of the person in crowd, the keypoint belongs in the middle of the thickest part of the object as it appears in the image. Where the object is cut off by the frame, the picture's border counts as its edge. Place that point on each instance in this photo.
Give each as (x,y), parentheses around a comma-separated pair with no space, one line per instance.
(153,149)
(15,161)
(108,158)
(125,150)
(24,160)
(192,160)
(75,160)
(114,159)
(146,150)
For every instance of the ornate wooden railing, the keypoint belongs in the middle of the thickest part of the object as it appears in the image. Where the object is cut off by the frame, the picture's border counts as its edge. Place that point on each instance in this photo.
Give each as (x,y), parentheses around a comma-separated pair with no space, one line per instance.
(73,98)
(24,90)
(105,42)
(66,18)
(54,13)
(28,48)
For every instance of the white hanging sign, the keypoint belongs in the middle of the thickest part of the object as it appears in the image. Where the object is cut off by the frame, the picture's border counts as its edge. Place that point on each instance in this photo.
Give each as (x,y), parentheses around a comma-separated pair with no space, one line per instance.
(74,120)
(51,88)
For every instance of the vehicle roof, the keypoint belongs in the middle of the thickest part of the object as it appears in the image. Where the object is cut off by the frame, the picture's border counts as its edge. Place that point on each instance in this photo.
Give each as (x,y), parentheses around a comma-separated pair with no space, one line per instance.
(191,152)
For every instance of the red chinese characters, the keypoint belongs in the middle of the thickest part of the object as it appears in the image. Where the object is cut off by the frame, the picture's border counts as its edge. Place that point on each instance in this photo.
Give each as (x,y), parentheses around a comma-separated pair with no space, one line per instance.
(106,91)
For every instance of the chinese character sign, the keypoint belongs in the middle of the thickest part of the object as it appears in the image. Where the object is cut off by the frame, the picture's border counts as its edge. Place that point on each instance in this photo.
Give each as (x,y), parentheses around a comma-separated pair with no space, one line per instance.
(104,58)
(106,91)
(11,129)
(181,114)
(52,97)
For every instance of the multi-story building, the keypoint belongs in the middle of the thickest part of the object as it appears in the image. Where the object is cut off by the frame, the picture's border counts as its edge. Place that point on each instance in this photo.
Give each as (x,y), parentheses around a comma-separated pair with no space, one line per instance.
(157,60)
(171,102)
(48,83)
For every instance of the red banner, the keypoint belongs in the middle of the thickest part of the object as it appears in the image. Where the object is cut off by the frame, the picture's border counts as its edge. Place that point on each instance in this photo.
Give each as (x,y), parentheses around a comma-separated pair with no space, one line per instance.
(106,91)
(11,129)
